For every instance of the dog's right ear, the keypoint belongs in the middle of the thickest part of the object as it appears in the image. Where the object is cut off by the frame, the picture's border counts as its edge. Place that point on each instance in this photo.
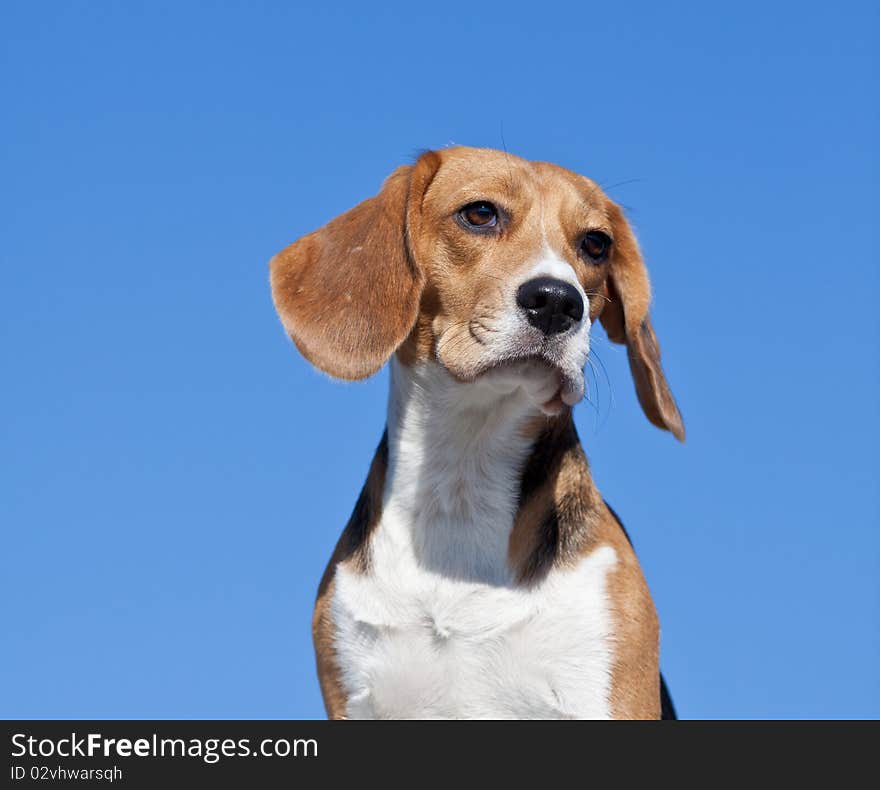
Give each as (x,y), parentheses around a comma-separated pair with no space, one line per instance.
(348,294)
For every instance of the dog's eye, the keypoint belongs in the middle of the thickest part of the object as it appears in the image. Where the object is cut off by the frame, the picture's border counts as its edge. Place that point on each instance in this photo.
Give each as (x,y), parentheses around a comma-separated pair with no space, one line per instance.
(479,215)
(596,245)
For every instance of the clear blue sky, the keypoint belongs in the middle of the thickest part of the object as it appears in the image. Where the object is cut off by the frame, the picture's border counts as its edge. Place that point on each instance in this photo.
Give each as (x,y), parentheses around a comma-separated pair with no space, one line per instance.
(174,476)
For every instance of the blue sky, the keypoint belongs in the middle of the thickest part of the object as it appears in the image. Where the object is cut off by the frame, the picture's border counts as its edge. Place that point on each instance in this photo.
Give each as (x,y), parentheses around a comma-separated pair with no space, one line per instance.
(174,476)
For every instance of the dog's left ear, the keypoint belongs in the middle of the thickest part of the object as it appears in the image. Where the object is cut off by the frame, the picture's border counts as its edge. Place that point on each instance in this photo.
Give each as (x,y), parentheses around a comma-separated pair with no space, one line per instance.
(626,320)
(348,293)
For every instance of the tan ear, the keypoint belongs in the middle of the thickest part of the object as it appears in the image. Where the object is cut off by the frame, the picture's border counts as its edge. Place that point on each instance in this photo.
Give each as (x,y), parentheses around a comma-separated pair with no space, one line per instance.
(626,320)
(348,294)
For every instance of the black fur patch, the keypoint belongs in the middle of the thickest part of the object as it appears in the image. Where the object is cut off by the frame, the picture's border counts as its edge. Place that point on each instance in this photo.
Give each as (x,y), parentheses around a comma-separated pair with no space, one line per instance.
(367,509)
(551,447)
(667,709)
(544,555)
(561,529)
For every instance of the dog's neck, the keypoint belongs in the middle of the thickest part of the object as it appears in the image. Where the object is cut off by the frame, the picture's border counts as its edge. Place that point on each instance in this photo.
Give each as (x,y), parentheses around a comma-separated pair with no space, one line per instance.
(456,457)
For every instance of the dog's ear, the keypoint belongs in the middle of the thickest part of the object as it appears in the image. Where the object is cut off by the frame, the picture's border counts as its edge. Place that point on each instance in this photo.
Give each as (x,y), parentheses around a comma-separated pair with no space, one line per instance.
(348,294)
(626,320)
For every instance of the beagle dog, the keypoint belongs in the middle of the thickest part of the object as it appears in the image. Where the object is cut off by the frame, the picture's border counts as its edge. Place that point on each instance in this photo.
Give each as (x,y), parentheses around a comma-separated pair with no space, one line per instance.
(481,574)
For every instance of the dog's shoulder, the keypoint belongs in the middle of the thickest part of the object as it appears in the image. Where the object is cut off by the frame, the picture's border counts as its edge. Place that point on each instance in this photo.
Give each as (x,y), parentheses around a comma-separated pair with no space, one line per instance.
(636,690)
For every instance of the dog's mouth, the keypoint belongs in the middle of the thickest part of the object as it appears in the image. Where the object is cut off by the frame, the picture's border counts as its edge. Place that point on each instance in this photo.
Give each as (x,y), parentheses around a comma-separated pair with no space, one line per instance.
(550,385)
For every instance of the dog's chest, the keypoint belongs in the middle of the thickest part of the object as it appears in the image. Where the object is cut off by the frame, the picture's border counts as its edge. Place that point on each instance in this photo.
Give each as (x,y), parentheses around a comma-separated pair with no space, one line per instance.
(414,643)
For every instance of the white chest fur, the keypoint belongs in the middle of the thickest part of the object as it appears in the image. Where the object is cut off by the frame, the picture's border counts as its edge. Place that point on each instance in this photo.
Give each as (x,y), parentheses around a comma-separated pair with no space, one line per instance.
(412,644)
(437,628)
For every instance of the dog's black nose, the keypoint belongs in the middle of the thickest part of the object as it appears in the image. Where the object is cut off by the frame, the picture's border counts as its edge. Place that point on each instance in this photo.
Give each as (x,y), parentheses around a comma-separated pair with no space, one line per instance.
(551,305)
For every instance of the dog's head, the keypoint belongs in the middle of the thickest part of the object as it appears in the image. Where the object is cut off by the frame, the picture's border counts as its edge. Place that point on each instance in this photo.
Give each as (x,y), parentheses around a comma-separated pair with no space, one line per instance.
(491,265)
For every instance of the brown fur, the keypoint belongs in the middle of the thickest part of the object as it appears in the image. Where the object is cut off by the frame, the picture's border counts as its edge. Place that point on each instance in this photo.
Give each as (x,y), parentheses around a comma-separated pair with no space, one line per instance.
(399,273)
(557,489)
(556,486)
(348,294)
(558,505)
(635,677)
(626,320)
(351,549)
